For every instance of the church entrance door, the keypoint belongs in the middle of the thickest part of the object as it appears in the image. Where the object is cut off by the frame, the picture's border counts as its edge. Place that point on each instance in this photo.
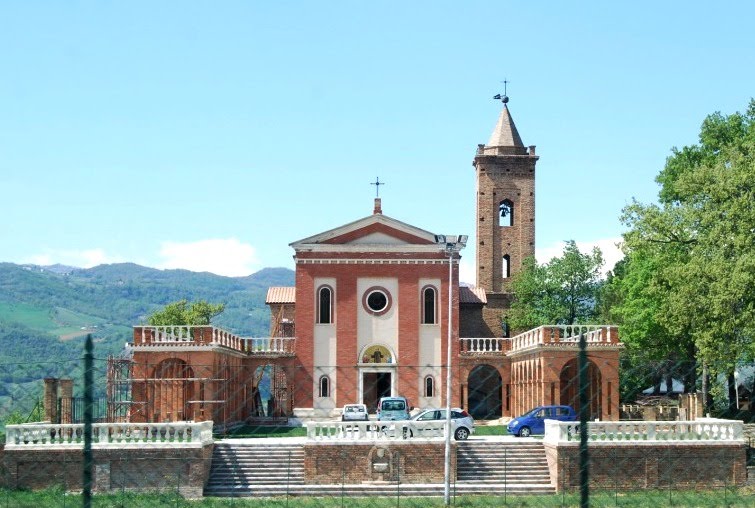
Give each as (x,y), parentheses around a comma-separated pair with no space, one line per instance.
(374,386)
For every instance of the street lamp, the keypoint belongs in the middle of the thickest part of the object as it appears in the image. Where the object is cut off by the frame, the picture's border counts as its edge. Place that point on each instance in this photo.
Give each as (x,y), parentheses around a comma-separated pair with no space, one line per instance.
(451,245)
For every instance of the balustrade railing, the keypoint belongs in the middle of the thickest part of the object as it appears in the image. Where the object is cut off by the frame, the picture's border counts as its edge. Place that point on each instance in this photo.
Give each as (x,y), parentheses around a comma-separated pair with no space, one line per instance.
(703,429)
(269,345)
(173,434)
(482,345)
(184,335)
(375,431)
(566,334)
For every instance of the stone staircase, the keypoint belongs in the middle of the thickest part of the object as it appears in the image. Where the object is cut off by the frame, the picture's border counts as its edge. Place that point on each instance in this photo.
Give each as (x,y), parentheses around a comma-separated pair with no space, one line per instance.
(518,467)
(255,469)
(267,470)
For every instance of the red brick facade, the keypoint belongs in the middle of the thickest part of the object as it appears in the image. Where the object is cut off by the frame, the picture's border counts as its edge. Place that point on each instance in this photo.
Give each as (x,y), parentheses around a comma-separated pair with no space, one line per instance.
(350,350)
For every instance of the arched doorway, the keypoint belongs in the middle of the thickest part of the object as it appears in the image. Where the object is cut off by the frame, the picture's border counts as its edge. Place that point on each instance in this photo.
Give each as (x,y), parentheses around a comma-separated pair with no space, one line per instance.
(269,392)
(170,391)
(484,385)
(569,381)
(377,375)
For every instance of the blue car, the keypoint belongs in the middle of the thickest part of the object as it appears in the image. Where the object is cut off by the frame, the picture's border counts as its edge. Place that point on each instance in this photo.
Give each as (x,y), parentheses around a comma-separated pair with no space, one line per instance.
(533,421)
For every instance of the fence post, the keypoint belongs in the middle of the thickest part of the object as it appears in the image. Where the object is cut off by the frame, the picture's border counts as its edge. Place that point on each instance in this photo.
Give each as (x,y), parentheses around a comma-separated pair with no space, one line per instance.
(343,475)
(398,477)
(584,473)
(86,476)
(288,477)
(505,473)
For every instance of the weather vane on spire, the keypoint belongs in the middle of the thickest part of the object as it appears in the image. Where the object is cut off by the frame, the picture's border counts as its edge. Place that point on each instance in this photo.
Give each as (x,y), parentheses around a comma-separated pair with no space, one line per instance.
(377,183)
(503,98)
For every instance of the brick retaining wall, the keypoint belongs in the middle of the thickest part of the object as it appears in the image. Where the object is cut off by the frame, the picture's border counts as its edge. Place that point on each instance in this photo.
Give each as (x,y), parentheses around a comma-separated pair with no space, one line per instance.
(413,462)
(185,470)
(652,466)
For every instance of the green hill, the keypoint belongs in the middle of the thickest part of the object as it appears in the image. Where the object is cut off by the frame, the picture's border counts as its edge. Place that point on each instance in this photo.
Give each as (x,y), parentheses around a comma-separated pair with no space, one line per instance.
(46,313)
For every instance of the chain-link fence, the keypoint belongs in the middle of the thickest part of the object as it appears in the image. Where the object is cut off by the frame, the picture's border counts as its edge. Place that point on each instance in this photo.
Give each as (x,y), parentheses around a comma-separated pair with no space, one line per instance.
(182,424)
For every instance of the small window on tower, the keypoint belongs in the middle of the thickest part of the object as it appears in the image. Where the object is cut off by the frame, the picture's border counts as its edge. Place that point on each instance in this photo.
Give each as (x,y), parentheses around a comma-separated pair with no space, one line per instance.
(506,268)
(506,212)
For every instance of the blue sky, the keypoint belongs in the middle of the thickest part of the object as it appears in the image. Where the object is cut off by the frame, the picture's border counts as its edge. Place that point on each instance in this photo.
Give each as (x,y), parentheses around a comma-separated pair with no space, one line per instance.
(210,135)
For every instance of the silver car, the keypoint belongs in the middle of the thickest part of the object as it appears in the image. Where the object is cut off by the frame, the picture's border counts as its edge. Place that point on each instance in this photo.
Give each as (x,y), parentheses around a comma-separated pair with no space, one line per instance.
(354,412)
(462,423)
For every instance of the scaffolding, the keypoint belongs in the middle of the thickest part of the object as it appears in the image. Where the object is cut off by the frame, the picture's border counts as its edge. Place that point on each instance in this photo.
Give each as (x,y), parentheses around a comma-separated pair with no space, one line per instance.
(119,399)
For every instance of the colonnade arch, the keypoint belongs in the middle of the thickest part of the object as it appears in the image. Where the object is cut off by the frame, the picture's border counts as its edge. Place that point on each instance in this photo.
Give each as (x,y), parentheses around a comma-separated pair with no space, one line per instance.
(569,387)
(485,398)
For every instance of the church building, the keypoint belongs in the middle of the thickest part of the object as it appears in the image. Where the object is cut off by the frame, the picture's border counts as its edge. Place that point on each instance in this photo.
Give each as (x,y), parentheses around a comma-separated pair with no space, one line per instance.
(375,303)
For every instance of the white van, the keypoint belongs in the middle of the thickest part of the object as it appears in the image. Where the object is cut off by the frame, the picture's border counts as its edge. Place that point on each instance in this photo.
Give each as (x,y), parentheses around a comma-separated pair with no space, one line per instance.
(393,408)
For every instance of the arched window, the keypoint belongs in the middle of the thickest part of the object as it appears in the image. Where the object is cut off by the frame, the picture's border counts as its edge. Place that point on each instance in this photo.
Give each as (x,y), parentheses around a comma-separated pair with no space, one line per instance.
(429,305)
(324,386)
(325,305)
(506,213)
(506,268)
(429,386)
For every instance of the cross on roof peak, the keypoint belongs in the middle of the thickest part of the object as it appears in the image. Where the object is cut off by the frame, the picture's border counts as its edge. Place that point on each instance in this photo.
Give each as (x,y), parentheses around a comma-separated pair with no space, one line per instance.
(377,183)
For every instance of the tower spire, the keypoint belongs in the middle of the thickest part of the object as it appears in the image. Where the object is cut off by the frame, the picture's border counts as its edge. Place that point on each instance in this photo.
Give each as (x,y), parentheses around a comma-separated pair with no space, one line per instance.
(505,138)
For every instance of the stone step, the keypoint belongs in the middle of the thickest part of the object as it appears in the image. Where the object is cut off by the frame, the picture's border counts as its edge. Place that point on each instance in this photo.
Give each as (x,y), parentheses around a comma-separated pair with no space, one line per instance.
(247,473)
(502,474)
(487,458)
(384,490)
(244,460)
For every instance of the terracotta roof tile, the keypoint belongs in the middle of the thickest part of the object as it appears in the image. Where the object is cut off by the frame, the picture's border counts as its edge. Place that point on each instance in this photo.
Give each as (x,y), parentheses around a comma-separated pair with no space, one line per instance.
(472,295)
(281,294)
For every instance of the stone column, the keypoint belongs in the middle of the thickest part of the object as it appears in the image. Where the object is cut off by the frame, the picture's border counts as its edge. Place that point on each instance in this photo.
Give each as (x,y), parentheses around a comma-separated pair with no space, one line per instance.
(66,401)
(51,399)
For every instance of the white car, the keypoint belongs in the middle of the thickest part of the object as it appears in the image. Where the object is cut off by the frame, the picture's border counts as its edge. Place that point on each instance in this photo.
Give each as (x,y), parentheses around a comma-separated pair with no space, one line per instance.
(462,423)
(354,412)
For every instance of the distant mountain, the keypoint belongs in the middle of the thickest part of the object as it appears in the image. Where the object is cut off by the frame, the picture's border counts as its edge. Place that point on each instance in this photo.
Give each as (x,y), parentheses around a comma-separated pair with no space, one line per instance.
(45,312)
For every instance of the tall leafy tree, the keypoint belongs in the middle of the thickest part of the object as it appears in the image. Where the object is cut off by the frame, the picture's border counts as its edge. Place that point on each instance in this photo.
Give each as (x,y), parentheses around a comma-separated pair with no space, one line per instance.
(184,313)
(562,291)
(699,241)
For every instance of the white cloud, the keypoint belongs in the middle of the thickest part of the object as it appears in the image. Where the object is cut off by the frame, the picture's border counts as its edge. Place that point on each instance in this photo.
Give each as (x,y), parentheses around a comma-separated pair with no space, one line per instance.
(608,246)
(86,258)
(222,256)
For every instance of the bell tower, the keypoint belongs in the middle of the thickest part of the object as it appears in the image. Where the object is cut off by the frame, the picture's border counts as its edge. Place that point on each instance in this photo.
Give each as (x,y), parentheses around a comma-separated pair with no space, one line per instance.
(505,171)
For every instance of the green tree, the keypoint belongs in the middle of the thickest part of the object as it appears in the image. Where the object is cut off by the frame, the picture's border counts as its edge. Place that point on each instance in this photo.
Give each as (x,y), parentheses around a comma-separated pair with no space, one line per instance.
(697,249)
(562,291)
(184,313)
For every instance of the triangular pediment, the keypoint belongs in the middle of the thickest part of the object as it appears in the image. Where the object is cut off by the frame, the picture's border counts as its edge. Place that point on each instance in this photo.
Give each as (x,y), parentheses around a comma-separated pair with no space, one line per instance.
(376,231)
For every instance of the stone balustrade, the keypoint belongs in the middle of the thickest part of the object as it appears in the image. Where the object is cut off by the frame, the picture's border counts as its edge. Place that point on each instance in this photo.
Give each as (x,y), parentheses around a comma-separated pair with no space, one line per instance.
(282,345)
(374,431)
(484,345)
(106,435)
(184,335)
(633,432)
(565,334)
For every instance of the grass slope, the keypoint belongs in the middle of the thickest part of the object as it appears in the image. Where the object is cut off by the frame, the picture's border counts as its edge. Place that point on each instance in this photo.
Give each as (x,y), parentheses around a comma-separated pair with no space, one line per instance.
(45,314)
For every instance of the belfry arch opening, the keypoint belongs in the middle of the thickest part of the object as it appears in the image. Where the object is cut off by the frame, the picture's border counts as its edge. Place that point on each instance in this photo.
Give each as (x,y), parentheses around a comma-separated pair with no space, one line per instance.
(484,400)
(569,384)
(506,213)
